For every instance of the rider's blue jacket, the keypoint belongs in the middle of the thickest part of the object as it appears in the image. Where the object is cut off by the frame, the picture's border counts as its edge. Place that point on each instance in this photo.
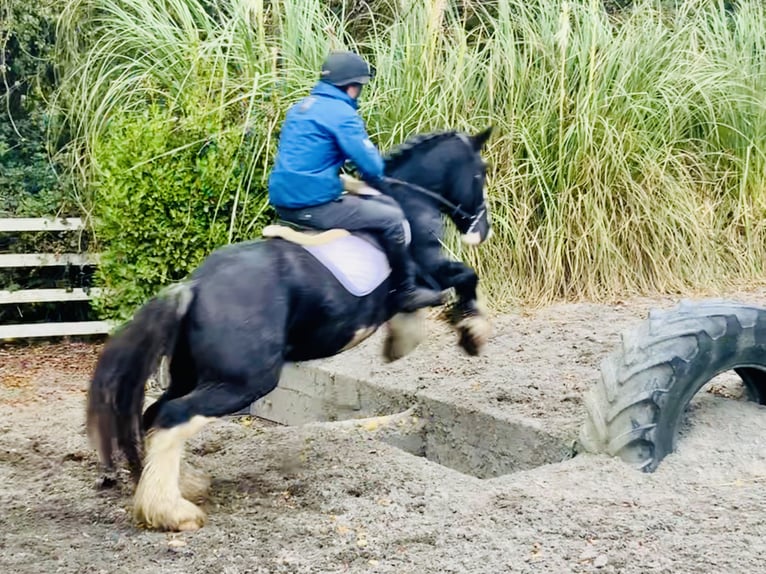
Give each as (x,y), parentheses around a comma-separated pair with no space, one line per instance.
(319,134)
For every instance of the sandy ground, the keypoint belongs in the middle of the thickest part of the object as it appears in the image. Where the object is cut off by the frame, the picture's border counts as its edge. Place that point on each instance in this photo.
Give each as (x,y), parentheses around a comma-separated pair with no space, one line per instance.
(324,498)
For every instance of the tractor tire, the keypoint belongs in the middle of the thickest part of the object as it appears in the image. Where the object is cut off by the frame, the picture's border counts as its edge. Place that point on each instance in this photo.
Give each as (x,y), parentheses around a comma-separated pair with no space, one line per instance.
(646,384)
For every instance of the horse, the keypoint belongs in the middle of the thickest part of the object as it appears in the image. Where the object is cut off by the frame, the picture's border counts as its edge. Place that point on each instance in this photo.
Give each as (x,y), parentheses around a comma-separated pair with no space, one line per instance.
(289,295)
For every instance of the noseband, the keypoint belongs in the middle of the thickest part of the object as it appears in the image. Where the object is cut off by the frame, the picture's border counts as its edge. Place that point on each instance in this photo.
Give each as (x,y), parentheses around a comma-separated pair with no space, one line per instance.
(451,208)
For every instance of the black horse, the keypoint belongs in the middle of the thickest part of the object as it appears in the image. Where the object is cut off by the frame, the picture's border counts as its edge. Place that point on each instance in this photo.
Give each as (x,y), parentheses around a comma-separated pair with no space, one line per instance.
(249,307)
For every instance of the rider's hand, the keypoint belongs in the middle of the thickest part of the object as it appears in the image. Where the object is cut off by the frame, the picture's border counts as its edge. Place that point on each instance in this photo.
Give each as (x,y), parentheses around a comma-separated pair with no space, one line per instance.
(356,186)
(367,190)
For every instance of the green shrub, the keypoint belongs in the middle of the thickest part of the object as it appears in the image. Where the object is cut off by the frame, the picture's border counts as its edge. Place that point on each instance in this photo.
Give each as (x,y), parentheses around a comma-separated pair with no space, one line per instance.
(166,190)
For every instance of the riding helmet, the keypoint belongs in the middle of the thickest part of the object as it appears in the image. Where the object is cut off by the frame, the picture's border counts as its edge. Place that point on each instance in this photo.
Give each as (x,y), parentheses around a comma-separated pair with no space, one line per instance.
(344,68)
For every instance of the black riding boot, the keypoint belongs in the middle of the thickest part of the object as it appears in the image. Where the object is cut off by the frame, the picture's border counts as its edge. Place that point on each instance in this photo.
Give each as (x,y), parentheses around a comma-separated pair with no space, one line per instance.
(408,297)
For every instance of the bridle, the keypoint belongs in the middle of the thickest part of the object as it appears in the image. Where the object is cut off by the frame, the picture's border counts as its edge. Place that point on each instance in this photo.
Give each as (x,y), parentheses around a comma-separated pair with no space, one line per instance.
(452,209)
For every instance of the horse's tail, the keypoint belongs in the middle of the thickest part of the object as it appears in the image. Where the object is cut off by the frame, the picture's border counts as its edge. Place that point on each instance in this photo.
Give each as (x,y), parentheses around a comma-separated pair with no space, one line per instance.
(130,356)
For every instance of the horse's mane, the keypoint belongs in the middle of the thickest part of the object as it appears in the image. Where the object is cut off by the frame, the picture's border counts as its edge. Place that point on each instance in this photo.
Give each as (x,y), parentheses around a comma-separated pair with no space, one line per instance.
(399,154)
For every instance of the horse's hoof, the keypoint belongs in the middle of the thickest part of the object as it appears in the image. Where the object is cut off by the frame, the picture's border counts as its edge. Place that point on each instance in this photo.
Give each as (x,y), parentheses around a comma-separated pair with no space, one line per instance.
(178,515)
(191,517)
(474,332)
(405,332)
(190,525)
(468,344)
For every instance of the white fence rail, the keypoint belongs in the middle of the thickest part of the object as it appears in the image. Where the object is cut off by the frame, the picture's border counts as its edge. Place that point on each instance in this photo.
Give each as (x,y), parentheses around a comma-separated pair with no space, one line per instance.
(22,296)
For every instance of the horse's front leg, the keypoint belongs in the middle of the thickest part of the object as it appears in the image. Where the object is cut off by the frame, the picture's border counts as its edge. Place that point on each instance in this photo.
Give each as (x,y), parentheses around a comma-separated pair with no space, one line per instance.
(467,315)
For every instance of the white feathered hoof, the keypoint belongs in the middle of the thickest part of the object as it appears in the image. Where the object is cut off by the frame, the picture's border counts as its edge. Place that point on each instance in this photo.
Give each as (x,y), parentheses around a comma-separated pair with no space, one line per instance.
(474,332)
(158,502)
(405,333)
(175,515)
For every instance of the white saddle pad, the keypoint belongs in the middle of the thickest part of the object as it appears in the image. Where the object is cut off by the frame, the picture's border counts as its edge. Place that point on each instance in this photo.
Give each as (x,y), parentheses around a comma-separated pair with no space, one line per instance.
(358,265)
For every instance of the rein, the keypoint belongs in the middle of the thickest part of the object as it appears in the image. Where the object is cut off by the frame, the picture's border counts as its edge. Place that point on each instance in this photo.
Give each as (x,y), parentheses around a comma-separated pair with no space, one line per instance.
(456,209)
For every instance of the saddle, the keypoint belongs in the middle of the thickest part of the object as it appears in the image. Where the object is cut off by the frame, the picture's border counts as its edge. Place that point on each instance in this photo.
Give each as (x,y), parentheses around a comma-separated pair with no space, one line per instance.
(302,235)
(356,260)
(310,236)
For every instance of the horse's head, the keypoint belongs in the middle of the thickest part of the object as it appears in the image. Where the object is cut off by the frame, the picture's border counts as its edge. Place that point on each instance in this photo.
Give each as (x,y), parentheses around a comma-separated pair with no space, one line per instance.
(450,166)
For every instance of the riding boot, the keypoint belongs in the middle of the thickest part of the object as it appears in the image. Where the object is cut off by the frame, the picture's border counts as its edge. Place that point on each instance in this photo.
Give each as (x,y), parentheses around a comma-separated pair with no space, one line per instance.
(408,297)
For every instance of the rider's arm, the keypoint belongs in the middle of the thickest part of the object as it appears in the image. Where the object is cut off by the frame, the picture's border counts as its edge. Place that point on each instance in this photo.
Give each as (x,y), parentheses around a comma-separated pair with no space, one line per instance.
(353,140)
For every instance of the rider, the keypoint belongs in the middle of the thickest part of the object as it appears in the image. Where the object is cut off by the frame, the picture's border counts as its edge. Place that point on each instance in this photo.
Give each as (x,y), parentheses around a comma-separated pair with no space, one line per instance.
(319,134)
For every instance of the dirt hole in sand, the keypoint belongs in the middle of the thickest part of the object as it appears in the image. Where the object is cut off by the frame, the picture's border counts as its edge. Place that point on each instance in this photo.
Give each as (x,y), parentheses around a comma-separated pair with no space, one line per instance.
(478,443)
(469,441)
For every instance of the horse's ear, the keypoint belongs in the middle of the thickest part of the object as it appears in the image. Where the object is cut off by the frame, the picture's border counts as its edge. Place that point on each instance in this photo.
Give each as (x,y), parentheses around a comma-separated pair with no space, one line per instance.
(481,138)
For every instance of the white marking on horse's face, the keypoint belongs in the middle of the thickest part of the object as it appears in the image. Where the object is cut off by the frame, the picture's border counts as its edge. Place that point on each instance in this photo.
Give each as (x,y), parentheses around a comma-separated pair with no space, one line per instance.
(473,238)
(359,336)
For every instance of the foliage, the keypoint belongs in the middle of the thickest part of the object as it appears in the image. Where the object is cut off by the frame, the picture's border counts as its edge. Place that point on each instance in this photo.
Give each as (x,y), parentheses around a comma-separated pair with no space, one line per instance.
(165,192)
(629,153)
(29,184)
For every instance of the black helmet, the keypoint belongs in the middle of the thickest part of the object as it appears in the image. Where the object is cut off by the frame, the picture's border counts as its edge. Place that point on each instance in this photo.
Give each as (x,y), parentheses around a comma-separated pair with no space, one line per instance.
(344,68)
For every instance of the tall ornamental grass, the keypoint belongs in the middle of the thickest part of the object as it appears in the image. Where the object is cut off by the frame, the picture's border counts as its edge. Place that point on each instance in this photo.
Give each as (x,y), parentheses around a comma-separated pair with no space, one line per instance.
(632,154)
(629,149)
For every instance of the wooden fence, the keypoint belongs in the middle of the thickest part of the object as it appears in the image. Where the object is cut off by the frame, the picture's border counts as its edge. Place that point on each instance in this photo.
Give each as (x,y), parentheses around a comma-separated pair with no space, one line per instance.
(16,260)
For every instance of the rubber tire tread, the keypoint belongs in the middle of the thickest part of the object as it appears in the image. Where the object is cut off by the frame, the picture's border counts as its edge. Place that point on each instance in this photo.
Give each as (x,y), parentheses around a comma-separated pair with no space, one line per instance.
(635,408)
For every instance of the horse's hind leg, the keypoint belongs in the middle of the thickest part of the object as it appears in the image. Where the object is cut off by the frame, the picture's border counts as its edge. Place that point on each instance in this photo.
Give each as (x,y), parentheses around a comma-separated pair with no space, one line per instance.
(183,380)
(194,483)
(159,501)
